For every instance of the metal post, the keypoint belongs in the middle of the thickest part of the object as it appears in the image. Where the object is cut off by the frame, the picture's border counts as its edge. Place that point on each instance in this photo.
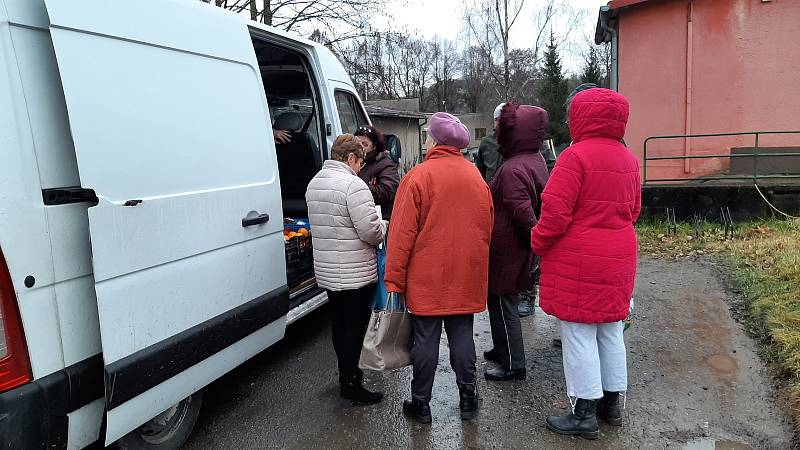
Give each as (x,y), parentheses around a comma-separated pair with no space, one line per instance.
(644,162)
(755,160)
(687,151)
(614,82)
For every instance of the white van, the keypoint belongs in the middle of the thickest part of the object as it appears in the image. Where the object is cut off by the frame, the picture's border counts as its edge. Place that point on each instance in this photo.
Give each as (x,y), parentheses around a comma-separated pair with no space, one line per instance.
(142,205)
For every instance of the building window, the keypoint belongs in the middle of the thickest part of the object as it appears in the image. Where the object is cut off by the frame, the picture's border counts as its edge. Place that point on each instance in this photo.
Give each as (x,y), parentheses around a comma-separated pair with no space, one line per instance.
(480,133)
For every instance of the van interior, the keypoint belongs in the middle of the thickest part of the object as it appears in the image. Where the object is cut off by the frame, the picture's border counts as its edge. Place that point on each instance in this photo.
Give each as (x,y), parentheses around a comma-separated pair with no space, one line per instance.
(294,106)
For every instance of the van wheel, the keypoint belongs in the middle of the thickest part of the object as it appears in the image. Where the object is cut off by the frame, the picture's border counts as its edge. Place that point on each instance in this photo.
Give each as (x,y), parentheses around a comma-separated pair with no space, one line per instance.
(168,430)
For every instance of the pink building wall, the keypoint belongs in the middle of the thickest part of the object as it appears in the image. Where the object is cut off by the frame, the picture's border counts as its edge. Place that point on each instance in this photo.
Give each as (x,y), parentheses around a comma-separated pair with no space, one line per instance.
(708,66)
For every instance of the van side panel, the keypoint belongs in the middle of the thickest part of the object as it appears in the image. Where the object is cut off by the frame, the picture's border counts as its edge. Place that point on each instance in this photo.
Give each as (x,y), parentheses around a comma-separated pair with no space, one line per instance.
(24,234)
(59,312)
(68,224)
(172,132)
(156,264)
(47,111)
(331,67)
(190,26)
(193,379)
(84,425)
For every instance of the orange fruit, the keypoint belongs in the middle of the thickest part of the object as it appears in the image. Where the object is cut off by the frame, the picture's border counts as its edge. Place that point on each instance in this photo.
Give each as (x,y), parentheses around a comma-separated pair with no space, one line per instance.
(303,232)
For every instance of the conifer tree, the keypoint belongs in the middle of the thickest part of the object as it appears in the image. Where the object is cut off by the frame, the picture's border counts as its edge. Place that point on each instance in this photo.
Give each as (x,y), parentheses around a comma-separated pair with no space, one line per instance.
(553,92)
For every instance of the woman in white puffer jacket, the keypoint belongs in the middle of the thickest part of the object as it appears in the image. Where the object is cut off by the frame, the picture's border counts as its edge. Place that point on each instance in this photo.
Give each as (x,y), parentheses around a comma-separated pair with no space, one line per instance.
(346,230)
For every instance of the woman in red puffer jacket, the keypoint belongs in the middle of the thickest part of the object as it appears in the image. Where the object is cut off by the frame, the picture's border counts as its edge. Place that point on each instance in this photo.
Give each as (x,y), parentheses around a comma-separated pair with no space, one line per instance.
(587,244)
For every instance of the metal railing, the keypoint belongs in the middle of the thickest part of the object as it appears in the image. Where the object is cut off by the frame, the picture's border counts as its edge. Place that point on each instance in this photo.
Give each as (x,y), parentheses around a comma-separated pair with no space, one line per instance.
(755,155)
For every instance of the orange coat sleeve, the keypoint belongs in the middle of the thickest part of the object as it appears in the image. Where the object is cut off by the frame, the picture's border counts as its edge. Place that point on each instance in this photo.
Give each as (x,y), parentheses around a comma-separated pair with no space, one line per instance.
(403,231)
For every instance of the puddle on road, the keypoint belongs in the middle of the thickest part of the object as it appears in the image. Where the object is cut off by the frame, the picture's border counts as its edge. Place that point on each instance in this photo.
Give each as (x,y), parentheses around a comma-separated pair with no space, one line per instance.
(713,444)
(722,363)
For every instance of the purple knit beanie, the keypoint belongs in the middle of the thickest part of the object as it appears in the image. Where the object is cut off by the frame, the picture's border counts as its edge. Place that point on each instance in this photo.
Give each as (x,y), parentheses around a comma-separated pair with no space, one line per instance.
(446,129)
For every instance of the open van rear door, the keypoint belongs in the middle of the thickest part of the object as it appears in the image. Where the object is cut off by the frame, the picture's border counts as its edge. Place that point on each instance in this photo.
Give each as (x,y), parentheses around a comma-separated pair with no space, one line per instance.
(172,132)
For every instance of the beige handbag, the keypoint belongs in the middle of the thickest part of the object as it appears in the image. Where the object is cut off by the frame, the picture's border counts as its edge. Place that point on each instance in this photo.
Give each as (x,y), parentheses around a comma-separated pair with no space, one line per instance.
(387,344)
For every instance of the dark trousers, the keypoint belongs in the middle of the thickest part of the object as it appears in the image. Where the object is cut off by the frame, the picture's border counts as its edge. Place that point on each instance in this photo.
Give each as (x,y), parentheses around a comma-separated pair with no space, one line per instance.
(507,330)
(350,311)
(425,352)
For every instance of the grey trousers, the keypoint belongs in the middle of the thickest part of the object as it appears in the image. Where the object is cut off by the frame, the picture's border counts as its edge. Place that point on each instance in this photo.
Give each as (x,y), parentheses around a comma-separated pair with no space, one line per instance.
(425,352)
(507,330)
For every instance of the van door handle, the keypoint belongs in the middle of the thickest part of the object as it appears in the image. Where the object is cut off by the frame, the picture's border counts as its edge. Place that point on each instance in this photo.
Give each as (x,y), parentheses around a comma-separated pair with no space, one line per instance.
(257,220)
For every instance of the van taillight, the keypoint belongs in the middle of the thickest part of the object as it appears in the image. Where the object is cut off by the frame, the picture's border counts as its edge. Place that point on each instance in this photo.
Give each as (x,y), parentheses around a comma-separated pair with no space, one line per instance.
(15,367)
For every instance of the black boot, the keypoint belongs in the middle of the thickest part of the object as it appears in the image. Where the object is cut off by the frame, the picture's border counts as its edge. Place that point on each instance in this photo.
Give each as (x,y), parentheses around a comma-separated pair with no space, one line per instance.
(525,307)
(351,389)
(502,374)
(608,408)
(492,355)
(467,403)
(583,422)
(418,410)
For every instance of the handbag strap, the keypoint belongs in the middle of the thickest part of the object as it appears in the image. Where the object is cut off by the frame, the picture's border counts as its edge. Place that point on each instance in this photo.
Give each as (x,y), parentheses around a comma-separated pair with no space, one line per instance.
(395,302)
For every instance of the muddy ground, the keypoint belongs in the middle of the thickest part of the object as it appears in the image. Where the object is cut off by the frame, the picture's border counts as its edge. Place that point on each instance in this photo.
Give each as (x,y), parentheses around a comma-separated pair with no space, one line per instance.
(696,382)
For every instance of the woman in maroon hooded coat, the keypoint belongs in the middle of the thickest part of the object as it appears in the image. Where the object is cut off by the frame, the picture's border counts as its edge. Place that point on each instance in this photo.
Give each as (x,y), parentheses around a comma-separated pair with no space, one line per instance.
(516,189)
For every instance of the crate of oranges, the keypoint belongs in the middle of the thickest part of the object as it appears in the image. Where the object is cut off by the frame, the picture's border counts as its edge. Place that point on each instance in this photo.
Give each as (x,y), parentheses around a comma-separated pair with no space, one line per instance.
(297,237)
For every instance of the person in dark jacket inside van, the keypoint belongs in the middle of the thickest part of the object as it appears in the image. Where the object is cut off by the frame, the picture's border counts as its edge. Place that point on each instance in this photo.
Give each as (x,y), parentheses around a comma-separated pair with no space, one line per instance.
(516,191)
(379,171)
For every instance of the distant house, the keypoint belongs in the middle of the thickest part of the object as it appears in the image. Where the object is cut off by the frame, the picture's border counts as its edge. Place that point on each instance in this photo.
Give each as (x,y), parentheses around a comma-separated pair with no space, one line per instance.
(402,119)
(479,125)
(705,66)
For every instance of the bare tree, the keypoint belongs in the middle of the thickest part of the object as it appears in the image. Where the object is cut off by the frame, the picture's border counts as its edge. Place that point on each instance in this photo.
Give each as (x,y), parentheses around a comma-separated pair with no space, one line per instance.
(363,60)
(546,17)
(420,72)
(604,51)
(443,60)
(343,19)
(476,74)
(388,65)
(523,73)
(490,23)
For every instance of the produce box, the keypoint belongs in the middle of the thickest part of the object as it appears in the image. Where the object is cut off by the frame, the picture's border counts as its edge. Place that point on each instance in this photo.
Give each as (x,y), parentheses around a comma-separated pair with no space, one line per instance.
(290,224)
(299,250)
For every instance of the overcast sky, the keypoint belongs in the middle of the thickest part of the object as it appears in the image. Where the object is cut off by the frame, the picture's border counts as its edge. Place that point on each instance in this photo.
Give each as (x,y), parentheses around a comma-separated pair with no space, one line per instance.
(444,18)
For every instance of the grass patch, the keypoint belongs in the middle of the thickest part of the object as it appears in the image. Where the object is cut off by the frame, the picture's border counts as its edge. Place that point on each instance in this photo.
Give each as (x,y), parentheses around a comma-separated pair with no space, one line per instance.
(765,256)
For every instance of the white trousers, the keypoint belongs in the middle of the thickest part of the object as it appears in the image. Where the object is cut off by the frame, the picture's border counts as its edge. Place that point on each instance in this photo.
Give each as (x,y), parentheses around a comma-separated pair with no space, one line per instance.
(594,358)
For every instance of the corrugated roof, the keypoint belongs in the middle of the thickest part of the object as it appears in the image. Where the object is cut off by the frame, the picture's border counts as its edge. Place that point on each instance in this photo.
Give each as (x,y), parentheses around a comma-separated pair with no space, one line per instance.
(381,111)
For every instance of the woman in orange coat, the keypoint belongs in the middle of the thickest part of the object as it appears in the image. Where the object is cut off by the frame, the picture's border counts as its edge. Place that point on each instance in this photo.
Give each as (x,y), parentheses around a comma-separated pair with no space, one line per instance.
(438,256)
